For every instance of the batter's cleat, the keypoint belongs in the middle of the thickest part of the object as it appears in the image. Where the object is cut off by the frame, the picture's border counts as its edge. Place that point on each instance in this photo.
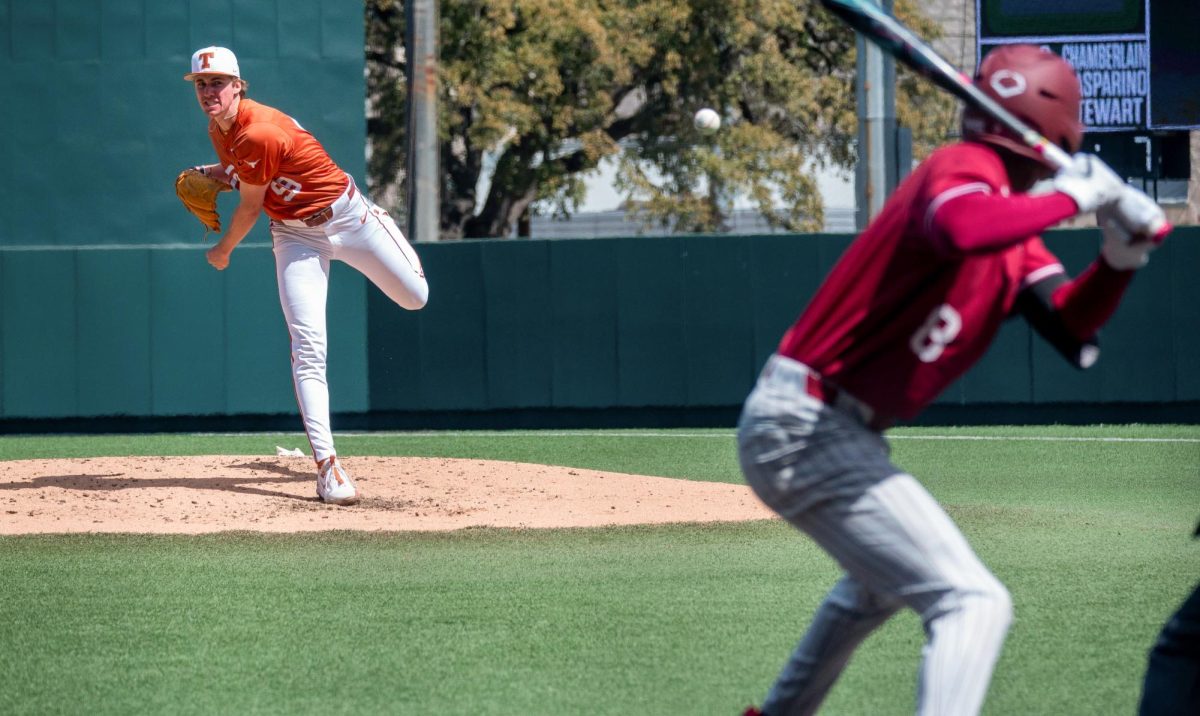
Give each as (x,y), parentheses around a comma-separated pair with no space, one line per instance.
(752,711)
(334,484)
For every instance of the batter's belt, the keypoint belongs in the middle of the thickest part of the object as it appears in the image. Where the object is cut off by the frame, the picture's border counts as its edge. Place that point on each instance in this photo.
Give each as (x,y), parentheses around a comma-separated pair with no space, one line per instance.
(783,369)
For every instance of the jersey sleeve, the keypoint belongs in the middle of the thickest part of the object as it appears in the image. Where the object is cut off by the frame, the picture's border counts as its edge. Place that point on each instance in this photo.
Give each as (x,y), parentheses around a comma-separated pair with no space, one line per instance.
(967,207)
(1038,263)
(986,222)
(260,150)
(953,173)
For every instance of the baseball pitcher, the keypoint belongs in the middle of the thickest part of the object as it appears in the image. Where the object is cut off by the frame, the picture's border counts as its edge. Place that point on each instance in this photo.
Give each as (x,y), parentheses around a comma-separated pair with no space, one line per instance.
(317,215)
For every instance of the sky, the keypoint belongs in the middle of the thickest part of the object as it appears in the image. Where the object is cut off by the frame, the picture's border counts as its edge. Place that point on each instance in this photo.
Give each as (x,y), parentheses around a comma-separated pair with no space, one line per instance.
(836,189)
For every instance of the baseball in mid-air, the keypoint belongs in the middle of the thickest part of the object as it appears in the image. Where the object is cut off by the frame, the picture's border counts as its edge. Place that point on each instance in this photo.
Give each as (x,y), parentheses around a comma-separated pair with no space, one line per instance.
(707,120)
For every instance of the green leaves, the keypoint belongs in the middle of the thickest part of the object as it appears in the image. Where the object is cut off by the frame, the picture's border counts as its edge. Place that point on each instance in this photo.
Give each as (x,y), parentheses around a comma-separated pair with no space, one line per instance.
(546,90)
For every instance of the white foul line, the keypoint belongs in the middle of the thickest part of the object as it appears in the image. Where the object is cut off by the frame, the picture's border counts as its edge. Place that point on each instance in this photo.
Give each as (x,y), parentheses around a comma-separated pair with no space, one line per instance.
(1045,438)
(730,435)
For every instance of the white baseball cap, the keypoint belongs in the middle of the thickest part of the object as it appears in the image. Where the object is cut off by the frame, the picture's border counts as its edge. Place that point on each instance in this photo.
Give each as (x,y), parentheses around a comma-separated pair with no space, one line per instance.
(213,61)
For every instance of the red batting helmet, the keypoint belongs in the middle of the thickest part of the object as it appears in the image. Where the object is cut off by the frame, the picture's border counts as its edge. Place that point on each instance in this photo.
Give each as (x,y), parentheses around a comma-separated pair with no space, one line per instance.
(1037,86)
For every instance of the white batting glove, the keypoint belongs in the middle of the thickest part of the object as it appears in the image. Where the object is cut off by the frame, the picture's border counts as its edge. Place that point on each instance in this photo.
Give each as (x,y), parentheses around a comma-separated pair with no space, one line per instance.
(1089,181)
(1132,226)
(1139,214)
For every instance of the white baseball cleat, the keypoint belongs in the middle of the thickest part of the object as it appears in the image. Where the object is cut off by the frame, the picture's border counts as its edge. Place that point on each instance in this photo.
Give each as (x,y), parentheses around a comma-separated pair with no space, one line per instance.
(334,484)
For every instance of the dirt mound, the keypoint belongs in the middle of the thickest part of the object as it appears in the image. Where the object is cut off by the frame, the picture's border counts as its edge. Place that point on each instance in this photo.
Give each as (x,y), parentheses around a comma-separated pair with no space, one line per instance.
(278,494)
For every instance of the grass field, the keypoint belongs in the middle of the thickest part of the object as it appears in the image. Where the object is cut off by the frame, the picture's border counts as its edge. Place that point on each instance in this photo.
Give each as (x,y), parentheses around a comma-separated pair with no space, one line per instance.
(1088,527)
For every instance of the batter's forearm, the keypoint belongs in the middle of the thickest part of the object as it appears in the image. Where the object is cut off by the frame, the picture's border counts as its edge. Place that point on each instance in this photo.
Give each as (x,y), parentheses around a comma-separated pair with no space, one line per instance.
(1088,301)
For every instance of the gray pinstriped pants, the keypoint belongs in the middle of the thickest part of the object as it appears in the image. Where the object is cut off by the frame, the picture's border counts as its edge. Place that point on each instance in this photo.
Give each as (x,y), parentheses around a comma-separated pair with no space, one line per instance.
(832,478)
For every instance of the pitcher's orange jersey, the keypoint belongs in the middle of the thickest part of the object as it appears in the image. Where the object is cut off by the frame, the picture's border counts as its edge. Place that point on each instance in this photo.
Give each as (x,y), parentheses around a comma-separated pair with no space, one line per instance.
(265,146)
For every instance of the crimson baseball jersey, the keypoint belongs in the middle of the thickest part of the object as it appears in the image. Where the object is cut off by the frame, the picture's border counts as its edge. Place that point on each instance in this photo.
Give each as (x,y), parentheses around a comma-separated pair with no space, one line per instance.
(266,146)
(910,306)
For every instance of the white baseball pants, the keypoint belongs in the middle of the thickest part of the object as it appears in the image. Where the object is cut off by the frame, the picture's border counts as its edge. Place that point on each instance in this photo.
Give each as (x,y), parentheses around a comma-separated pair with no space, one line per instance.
(366,238)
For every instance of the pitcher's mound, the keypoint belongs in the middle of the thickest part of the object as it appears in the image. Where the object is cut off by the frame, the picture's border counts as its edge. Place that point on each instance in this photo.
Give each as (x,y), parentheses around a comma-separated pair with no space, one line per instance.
(278,494)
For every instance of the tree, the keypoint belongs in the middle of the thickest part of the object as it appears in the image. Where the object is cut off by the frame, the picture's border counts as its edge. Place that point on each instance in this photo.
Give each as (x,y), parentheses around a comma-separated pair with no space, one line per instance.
(550,88)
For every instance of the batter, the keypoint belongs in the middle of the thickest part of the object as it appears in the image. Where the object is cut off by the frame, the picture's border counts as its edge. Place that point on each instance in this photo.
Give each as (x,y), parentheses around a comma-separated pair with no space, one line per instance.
(910,306)
(317,215)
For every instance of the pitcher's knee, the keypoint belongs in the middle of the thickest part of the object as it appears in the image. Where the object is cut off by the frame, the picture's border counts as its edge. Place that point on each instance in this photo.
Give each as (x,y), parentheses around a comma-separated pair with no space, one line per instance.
(308,350)
(413,296)
(420,297)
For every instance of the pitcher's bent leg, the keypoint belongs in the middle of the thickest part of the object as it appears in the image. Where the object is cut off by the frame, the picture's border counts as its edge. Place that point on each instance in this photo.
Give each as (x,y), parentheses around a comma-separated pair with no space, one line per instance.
(376,248)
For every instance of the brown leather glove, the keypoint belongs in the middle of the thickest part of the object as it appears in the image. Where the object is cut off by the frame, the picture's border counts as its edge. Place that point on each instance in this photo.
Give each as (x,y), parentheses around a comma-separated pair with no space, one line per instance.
(198,192)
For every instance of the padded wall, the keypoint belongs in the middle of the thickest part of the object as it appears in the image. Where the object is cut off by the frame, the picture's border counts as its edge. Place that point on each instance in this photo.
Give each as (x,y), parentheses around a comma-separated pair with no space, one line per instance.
(688,321)
(572,324)
(157,332)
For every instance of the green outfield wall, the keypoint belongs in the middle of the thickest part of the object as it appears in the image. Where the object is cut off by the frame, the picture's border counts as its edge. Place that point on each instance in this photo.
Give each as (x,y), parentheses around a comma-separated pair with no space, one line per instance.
(533,325)
(155,331)
(688,322)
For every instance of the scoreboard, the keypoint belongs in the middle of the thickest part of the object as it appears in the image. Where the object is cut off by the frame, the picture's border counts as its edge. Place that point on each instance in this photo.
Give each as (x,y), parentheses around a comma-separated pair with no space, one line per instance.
(1139,68)
(1138,60)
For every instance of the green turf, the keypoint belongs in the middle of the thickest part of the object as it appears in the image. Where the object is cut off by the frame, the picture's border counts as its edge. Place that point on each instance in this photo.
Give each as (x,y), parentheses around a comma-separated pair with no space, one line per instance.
(1090,537)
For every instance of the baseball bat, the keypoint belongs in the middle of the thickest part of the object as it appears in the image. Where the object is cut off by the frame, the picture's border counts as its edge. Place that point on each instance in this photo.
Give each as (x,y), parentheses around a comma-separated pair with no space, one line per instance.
(900,42)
